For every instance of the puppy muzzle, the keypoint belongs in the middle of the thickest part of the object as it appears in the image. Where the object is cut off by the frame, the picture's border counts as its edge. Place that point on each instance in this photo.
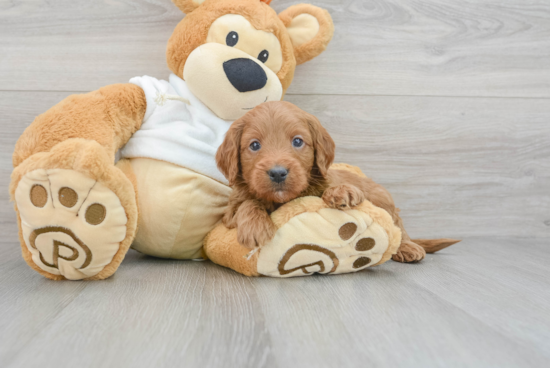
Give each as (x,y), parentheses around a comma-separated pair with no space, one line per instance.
(278,174)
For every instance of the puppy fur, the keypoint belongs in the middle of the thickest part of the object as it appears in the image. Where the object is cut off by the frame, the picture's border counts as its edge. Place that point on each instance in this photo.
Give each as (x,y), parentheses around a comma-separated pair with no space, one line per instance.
(274,126)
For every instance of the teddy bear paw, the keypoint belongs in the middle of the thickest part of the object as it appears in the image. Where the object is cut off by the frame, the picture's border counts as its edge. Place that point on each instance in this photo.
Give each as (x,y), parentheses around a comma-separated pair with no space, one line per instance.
(71,224)
(325,242)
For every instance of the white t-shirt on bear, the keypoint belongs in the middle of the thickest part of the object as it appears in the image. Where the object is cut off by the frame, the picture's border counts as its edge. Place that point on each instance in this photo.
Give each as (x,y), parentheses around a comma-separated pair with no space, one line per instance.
(185,134)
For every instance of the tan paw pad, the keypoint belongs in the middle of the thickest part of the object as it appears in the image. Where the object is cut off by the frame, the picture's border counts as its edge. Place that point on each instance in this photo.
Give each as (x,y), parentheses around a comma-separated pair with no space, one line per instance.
(72,225)
(328,241)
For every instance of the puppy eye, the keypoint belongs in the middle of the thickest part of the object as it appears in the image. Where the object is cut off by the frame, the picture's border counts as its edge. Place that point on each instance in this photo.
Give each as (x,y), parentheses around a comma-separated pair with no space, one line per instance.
(263,56)
(232,38)
(255,146)
(297,142)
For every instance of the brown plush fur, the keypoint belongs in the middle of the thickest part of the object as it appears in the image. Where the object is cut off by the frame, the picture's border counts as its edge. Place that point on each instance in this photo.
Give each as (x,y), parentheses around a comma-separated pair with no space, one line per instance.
(108,116)
(274,125)
(319,43)
(221,248)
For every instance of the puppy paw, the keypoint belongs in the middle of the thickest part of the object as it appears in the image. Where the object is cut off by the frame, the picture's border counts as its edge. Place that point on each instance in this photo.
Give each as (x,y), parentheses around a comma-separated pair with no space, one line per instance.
(409,252)
(343,196)
(253,234)
(229,220)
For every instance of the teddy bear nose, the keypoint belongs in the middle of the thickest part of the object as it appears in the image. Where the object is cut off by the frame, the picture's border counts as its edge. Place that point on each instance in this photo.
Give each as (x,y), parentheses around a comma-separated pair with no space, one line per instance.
(245,74)
(278,174)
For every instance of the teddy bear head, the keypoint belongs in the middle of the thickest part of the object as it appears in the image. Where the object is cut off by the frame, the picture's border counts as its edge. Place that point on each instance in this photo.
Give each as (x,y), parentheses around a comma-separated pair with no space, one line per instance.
(236,54)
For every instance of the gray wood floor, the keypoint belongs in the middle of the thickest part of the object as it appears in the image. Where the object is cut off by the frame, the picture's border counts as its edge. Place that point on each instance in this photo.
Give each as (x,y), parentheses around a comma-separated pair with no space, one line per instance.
(446,102)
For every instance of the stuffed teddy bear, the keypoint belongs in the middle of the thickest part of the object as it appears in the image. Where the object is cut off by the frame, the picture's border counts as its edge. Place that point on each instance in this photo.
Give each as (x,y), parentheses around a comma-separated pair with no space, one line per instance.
(79,213)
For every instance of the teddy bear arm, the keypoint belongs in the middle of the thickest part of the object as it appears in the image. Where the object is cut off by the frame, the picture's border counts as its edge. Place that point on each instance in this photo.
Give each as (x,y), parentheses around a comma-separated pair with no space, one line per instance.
(108,116)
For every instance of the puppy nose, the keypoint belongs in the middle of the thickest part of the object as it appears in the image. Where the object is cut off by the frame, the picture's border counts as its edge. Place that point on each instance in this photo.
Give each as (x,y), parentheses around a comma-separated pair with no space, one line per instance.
(278,174)
(245,74)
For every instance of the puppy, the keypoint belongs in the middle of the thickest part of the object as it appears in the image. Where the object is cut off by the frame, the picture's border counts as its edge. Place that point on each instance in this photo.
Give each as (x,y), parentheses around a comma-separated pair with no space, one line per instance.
(278,152)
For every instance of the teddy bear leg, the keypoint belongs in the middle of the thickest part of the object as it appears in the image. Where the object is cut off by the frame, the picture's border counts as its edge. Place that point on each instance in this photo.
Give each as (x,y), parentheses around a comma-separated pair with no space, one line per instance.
(221,247)
(77,212)
(311,238)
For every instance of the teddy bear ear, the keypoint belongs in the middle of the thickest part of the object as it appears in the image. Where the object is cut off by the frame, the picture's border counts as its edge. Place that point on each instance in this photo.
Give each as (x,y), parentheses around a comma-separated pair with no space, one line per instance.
(310,29)
(187,6)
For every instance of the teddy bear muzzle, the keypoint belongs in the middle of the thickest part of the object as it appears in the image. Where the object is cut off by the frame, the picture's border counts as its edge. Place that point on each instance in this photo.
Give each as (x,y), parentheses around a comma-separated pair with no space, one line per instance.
(229,81)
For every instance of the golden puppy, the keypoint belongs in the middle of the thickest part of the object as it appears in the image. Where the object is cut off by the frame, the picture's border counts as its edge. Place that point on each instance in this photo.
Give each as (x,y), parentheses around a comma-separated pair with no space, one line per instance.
(278,152)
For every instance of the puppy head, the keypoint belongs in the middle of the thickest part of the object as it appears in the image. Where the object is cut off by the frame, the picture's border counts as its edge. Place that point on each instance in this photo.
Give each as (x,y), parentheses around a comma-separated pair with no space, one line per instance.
(276,149)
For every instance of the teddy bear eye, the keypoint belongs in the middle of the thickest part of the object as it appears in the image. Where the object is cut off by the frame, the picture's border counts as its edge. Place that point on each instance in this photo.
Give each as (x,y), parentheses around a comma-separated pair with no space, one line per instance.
(263,56)
(255,146)
(232,38)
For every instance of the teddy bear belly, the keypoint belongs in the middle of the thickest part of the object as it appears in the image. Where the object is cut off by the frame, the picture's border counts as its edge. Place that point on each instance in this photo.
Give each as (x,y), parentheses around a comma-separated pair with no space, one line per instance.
(177,208)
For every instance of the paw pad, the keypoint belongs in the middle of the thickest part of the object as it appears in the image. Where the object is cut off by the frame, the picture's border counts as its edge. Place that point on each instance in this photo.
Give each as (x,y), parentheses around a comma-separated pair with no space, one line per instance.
(95,214)
(347,230)
(72,225)
(361,262)
(365,244)
(326,241)
(67,197)
(39,196)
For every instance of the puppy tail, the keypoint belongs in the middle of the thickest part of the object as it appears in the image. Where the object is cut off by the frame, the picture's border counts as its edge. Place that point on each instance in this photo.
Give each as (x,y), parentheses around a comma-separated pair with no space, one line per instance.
(434,245)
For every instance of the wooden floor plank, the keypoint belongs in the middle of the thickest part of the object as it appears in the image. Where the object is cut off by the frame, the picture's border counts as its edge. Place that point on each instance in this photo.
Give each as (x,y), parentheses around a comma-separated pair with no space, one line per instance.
(500,288)
(167,313)
(399,47)
(371,318)
(154,313)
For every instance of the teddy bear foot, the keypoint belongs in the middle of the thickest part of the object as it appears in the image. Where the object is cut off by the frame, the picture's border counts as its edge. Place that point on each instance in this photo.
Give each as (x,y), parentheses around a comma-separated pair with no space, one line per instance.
(317,240)
(325,242)
(73,226)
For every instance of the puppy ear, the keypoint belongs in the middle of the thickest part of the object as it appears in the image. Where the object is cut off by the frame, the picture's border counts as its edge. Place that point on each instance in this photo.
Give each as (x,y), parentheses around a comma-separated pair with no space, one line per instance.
(322,143)
(187,6)
(227,156)
(310,29)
